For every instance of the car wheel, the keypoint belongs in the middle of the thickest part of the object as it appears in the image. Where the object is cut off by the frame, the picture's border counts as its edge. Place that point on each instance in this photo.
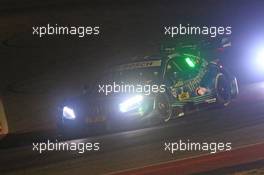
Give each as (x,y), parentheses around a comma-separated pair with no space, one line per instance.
(223,90)
(163,108)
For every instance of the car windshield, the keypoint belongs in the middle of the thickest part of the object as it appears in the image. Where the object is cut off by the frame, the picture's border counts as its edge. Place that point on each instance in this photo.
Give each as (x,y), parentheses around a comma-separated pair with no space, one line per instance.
(184,67)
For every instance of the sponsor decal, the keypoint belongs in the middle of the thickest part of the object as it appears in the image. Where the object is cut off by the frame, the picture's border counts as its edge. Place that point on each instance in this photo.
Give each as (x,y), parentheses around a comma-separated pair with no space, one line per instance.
(137,65)
(184,96)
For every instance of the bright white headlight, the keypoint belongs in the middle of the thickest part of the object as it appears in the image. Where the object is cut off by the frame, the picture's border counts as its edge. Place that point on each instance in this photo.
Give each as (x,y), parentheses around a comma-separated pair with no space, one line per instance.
(131,103)
(260,58)
(68,113)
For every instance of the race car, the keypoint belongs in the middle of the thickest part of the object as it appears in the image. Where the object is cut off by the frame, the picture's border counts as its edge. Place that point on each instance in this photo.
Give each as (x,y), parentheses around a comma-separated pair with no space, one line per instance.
(151,89)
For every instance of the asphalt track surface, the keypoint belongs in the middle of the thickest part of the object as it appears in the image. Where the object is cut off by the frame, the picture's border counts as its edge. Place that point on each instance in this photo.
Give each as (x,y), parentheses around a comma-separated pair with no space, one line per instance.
(241,123)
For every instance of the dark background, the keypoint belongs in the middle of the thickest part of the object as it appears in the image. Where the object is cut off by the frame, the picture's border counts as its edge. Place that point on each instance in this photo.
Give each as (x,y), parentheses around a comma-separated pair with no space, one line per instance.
(128,28)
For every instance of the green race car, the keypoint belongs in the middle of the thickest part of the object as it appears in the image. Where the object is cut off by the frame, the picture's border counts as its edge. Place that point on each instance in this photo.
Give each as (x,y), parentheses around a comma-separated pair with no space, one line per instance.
(154,88)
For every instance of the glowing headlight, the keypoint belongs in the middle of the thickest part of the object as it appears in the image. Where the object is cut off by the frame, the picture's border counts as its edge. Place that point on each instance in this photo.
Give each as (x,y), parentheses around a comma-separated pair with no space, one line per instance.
(131,103)
(68,113)
(260,58)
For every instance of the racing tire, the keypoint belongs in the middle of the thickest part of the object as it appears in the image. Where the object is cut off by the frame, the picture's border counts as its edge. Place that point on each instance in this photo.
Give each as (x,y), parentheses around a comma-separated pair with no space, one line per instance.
(223,91)
(163,107)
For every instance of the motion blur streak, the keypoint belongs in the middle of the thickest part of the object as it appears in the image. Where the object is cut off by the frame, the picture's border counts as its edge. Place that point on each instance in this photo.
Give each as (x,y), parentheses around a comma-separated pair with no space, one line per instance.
(3,122)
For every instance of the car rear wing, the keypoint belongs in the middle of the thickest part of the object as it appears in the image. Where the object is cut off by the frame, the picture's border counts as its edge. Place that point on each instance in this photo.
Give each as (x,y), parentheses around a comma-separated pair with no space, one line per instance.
(196,45)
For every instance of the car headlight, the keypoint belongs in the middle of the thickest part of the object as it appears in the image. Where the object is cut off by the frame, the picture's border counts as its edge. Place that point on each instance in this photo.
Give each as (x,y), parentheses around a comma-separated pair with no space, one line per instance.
(260,58)
(131,103)
(68,113)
